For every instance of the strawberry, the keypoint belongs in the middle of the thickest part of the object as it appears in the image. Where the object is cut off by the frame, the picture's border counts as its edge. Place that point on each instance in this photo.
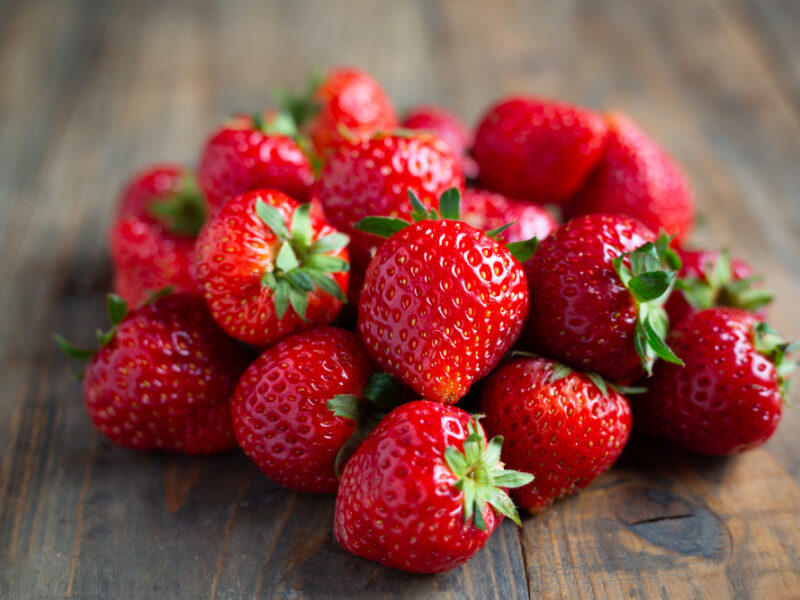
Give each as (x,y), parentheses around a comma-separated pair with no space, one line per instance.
(711,278)
(373,176)
(300,403)
(344,105)
(537,149)
(152,237)
(424,491)
(449,128)
(442,302)
(597,286)
(261,253)
(564,427)
(252,152)
(487,210)
(162,377)
(636,178)
(728,397)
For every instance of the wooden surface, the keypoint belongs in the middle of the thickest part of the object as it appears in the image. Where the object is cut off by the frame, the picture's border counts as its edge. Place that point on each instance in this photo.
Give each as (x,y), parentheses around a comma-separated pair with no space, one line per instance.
(90,91)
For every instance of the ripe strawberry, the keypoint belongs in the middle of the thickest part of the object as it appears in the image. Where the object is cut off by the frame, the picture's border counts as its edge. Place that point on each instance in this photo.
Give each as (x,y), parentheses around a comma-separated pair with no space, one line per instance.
(711,278)
(597,286)
(449,128)
(262,252)
(152,237)
(346,104)
(424,491)
(372,177)
(163,377)
(636,178)
(537,149)
(297,406)
(727,398)
(252,152)
(564,427)
(487,210)
(442,302)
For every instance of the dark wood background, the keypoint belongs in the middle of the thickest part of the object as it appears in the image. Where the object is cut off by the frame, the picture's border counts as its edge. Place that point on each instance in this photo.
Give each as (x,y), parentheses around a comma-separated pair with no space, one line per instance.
(91,91)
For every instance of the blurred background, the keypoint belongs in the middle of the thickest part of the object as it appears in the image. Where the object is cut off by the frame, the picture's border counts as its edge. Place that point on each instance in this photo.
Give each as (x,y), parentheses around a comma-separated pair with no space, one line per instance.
(92,90)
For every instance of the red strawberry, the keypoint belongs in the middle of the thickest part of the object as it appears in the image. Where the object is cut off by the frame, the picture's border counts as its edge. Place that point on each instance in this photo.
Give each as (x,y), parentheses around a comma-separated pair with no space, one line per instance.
(727,398)
(597,285)
(252,152)
(537,149)
(163,377)
(565,428)
(711,278)
(442,302)
(449,128)
(636,178)
(346,104)
(262,252)
(372,177)
(152,238)
(280,409)
(487,210)
(424,491)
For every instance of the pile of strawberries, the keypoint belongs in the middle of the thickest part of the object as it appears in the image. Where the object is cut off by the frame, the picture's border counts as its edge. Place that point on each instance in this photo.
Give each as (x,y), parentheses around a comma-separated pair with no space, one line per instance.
(330,283)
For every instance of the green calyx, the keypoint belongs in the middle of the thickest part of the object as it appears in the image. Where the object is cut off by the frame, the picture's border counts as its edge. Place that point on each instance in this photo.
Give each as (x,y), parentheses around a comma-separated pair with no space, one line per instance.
(381,394)
(301,264)
(117,311)
(770,344)
(304,105)
(560,371)
(449,209)
(649,279)
(481,476)
(718,288)
(183,212)
(283,123)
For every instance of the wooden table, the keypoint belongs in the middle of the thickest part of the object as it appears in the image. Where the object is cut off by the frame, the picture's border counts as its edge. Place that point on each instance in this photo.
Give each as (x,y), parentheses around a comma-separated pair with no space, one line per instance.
(91,91)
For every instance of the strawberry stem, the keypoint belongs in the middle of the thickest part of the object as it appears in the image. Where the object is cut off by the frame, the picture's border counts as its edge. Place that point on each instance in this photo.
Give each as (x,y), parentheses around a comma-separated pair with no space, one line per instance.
(481,477)
(182,213)
(649,275)
(449,209)
(381,394)
(770,344)
(301,264)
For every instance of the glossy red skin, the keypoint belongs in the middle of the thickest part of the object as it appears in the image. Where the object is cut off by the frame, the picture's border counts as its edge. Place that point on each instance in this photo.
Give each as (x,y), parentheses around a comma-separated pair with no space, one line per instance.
(442,303)
(697,264)
(565,432)
(725,400)
(239,158)
(234,249)
(280,415)
(537,149)
(448,127)
(372,178)
(146,256)
(636,178)
(487,210)
(148,186)
(397,503)
(353,100)
(165,381)
(581,314)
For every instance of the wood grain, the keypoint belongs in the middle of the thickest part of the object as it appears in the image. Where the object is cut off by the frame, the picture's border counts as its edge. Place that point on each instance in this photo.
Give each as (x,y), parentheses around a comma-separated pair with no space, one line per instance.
(92,91)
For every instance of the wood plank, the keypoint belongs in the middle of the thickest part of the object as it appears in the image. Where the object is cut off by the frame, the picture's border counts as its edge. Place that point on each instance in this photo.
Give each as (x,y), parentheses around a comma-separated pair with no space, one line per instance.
(664,523)
(772,27)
